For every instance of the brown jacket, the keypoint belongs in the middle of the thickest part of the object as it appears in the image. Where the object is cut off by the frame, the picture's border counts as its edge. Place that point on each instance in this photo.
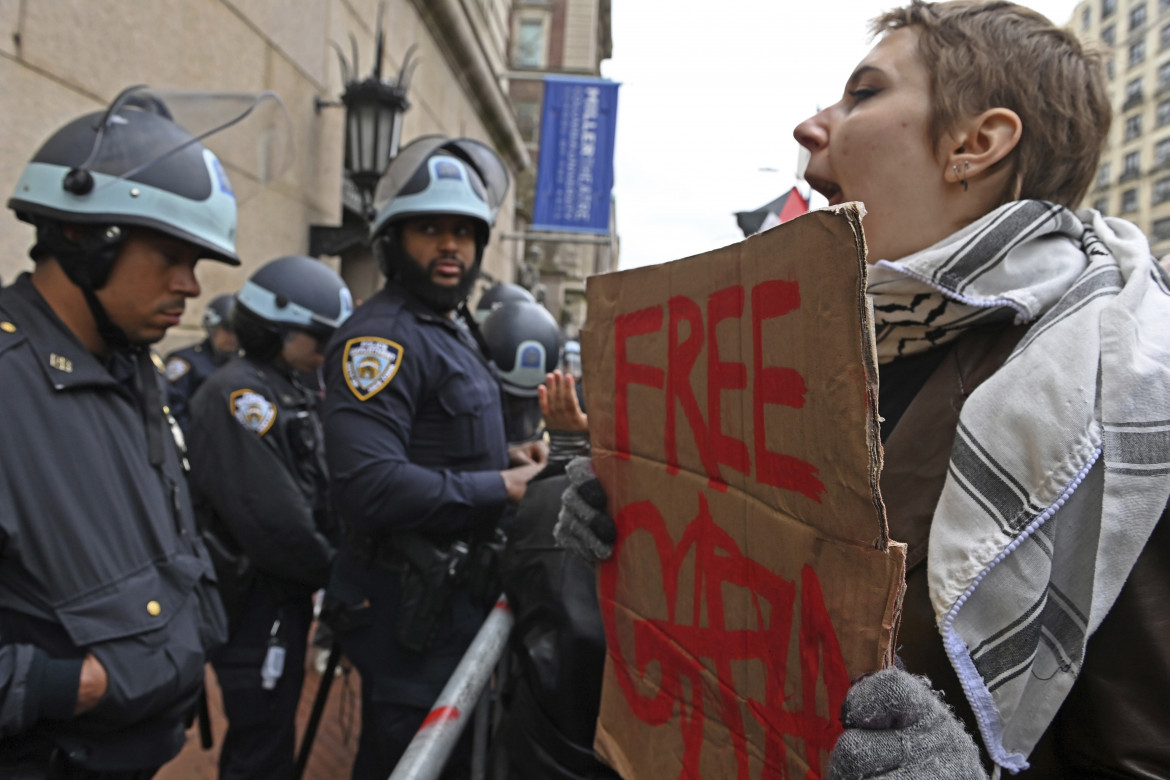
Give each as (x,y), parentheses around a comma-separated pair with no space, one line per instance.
(1116,720)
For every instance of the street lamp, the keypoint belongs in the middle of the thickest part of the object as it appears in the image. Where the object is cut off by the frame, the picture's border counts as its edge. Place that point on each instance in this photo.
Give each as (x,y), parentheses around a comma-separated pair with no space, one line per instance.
(374,108)
(373,128)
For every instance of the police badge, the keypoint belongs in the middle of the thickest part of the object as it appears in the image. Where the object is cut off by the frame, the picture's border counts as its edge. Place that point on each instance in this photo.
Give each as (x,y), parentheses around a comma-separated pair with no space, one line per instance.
(369,364)
(176,368)
(254,411)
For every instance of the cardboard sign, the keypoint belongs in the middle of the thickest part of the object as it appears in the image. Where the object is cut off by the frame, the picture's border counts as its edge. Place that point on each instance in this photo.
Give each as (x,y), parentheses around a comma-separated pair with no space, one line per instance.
(732,407)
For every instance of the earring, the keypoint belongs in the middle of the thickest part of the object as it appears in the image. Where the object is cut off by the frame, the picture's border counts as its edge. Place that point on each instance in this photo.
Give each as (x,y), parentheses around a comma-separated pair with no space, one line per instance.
(961,178)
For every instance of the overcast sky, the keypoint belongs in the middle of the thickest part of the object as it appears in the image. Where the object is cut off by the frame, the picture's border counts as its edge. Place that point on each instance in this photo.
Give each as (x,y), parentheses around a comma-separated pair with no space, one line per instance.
(710,94)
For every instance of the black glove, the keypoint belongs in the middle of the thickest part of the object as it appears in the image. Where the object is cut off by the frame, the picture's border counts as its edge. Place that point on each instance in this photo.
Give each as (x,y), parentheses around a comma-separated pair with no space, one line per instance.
(582,525)
(897,728)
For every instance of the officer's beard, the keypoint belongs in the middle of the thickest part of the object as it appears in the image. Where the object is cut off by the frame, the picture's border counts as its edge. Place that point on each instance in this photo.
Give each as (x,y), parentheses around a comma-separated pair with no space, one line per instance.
(439,297)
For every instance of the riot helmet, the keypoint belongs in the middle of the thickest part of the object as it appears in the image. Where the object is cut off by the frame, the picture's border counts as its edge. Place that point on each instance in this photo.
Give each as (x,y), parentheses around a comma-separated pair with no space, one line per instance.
(497,295)
(572,358)
(524,341)
(142,163)
(436,175)
(218,313)
(285,295)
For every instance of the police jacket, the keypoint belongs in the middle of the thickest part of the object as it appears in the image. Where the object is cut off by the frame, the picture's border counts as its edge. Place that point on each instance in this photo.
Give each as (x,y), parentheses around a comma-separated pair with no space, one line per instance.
(414,424)
(258,468)
(1115,721)
(187,369)
(414,432)
(98,550)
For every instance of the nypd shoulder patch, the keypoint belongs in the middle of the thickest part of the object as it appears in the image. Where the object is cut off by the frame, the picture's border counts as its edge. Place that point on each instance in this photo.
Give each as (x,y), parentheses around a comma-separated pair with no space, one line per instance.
(370,363)
(252,410)
(176,368)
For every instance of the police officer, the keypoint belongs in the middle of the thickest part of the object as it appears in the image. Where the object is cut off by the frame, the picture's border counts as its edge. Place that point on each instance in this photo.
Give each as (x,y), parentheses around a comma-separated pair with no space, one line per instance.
(418,459)
(107,602)
(188,367)
(258,474)
(524,341)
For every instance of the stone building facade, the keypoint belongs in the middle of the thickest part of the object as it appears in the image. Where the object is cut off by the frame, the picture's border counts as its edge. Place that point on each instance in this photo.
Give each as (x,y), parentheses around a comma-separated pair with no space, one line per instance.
(63,58)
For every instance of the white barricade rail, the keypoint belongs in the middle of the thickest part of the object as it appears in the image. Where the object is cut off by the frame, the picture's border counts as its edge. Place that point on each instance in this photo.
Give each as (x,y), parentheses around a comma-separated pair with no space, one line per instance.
(432,745)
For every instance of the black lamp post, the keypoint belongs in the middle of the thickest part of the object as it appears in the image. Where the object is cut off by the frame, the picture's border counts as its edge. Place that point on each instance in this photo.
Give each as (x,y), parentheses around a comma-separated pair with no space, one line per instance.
(374,108)
(373,128)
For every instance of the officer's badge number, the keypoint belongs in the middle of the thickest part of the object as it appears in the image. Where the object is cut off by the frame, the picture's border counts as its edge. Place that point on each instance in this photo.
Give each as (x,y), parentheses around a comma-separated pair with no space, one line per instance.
(370,364)
(177,368)
(252,410)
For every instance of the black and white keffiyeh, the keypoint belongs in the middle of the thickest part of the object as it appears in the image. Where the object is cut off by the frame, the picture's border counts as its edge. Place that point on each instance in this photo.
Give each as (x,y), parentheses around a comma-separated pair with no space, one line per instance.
(1061,463)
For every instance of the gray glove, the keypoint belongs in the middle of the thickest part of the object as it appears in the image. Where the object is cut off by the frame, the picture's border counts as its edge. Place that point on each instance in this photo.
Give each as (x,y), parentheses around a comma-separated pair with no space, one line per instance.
(896,727)
(582,525)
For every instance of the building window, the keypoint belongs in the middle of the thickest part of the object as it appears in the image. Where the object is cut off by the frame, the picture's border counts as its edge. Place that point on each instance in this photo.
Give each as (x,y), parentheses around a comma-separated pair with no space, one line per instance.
(1131,167)
(1137,16)
(1129,201)
(1103,175)
(1133,92)
(1164,75)
(530,44)
(1163,5)
(1109,35)
(1164,37)
(1109,70)
(1137,53)
(1162,190)
(1108,7)
(1102,205)
(1161,229)
(1162,153)
(1162,115)
(1086,18)
(1133,127)
(528,119)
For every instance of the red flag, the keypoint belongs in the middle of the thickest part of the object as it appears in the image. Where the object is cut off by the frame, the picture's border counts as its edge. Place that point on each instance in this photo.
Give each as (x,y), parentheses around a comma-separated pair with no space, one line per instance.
(790,204)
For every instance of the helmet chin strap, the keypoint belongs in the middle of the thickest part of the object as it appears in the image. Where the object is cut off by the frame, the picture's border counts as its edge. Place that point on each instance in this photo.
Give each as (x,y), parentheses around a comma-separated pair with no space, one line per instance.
(87,262)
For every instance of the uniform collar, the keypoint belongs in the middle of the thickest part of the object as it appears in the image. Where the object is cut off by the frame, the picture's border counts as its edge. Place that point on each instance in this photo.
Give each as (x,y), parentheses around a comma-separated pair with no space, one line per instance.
(421,312)
(65,361)
(455,324)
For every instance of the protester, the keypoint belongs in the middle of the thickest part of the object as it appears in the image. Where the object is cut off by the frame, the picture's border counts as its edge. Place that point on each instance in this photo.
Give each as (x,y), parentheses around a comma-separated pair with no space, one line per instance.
(1025,394)
(188,367)
(261,491)
(419,465)
(558,642)
(108,600)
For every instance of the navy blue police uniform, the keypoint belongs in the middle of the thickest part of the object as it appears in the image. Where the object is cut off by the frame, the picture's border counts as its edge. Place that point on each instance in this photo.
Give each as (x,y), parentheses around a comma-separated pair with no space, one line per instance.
(98,554)
(261,492)
(187,369)
(415,442)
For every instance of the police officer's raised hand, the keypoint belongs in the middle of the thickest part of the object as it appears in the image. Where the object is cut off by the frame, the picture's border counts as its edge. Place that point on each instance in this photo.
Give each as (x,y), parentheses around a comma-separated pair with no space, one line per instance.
(92,686)
(558,404)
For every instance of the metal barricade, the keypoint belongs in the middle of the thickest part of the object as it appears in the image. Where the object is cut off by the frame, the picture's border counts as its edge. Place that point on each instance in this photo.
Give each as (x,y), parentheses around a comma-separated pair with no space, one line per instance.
(432,745)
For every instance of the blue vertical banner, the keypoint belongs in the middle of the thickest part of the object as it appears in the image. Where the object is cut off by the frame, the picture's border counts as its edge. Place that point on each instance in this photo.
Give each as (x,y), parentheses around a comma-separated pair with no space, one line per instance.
(575,174)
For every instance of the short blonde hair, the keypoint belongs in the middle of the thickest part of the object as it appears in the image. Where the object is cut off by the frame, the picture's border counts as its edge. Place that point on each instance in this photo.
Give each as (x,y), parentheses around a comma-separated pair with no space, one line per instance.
(984,54)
